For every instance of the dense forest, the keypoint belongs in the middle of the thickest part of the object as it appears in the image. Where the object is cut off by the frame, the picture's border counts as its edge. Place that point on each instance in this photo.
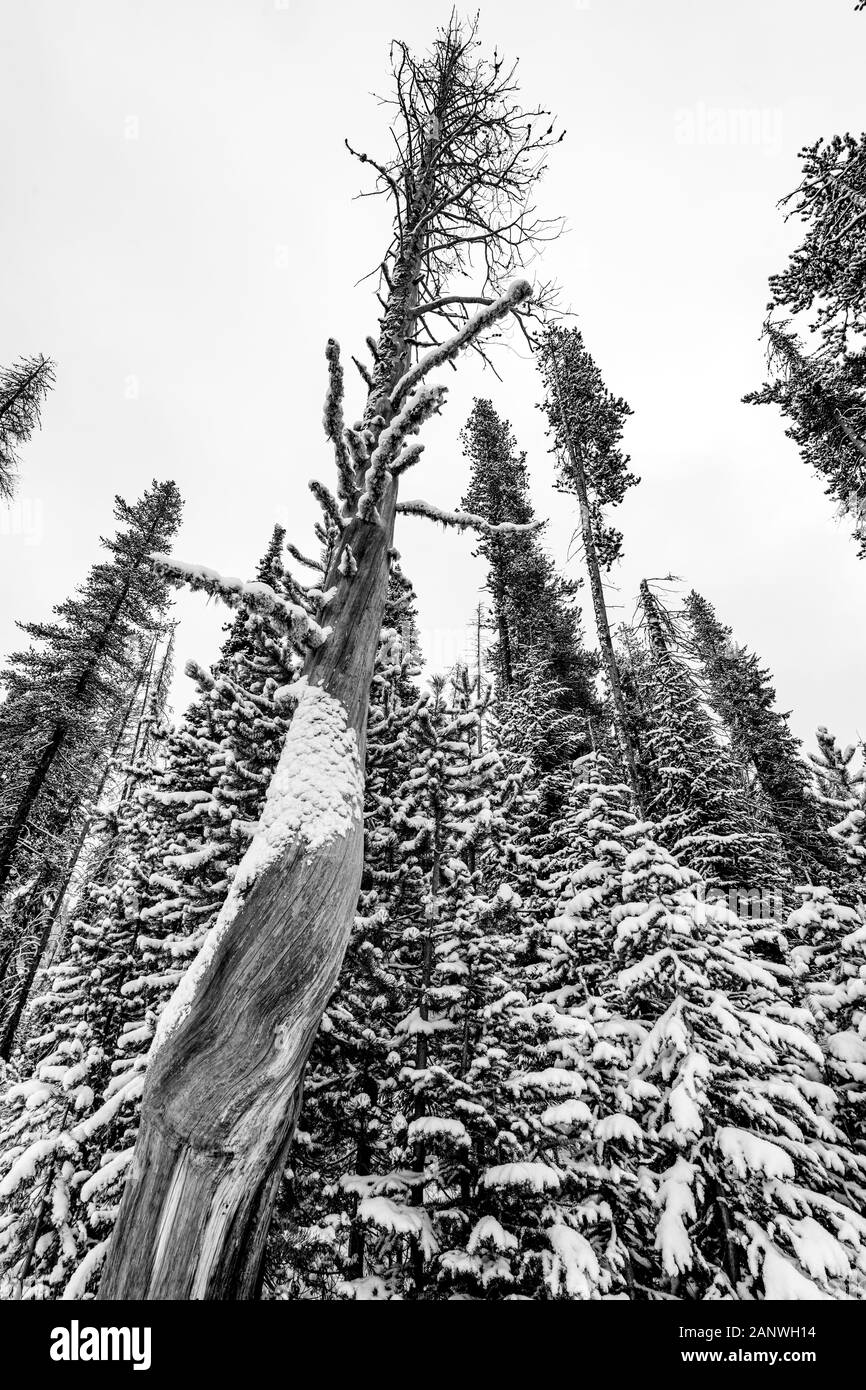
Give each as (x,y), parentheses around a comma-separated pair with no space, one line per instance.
(542,977)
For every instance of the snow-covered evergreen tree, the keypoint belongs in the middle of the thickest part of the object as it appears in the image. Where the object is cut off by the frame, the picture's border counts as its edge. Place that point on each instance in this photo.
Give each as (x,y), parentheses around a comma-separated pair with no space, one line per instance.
(756,1188)
(544,696)
(740,690)
(586,424)
(743,1178)
(65,697)
(479,1176)
(841,787)
(695,790)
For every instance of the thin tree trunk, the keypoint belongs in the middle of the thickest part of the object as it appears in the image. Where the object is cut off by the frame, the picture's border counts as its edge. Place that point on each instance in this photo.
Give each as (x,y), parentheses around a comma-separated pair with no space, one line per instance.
(853,438)
(22,811)
(653,621)
(620,714)
(10,1025)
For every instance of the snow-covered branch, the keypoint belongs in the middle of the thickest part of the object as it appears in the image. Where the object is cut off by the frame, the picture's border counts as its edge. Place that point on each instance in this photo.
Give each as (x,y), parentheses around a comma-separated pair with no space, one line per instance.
(467,520)
(328,503)
(332,419)
(237,593)
(424,402)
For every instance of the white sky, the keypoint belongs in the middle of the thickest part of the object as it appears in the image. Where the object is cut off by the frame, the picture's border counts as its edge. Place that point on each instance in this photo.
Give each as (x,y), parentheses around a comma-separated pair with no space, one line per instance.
(178,233)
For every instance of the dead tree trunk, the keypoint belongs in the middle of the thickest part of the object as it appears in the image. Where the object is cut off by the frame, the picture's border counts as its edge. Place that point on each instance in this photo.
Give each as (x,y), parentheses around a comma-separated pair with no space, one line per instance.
(224,1086)
(224,1090)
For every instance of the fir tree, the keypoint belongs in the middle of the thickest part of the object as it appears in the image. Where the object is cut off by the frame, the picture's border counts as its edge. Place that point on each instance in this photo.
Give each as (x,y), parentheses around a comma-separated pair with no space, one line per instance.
(757,1191)
(23,388)
(741,1179)
(65,696)
(534,613)
(820,387)
(695,789)
(823,398)
(477,1183)
(586,421)
(129,747)
(842,790)
(544,697)
(740,690)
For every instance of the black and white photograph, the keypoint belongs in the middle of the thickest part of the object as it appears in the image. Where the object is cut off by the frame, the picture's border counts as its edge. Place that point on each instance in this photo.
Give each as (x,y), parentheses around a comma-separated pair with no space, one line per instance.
(433,669)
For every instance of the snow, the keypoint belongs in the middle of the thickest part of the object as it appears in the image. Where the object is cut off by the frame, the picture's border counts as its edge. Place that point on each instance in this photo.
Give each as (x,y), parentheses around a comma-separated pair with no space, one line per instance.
(255,594)
(89,1265)
(848,1047)
(423,402)
(574,1266)
(29,1089)
(537,1176)
(413,1023)
(818,1250)
(567,1115)
(129,1090)
(24,1167)
(686,1096)
(434,1126)
(107,1173)
(315,796)
(676,1198)
(783,1281)
(403,1220)
(618,1126)
(748,1153)
(488,1231)
(550,1079)
(194,859)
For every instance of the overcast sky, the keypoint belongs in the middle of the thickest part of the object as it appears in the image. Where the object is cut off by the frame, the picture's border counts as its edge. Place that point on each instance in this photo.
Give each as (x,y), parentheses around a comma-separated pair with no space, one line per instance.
(178,232)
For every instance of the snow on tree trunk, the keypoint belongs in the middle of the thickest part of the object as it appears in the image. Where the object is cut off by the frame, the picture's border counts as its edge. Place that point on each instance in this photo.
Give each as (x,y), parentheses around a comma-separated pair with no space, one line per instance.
(224,1085)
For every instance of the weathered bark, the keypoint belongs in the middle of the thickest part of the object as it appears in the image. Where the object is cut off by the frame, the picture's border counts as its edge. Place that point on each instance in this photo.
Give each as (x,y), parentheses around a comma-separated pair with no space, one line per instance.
(222,1101)
(653,621)
(222,1096)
